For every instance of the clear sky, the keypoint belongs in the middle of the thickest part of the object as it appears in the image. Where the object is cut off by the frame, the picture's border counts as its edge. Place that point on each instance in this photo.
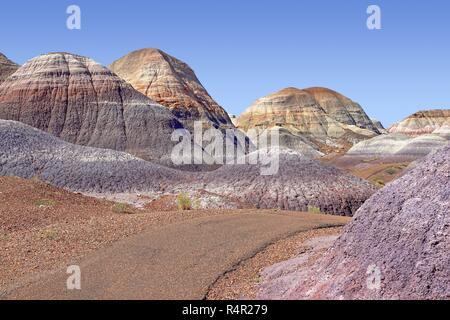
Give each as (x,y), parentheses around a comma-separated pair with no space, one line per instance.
(244,49)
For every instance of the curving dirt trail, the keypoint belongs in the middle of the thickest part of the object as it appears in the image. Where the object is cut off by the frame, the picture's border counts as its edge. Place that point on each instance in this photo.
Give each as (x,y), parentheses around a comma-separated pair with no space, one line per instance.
(178,261)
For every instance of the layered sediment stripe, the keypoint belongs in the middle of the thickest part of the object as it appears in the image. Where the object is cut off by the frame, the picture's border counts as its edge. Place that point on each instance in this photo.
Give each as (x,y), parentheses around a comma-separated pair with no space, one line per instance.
(299,184)
(316,117)
(82,102)
(173,84)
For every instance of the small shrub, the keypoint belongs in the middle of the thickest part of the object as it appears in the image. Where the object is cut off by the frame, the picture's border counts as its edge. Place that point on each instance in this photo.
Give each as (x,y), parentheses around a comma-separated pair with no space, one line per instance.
(184,202)
(313,209)
(380,183)
(49,234)
(391,171)
(369,160)
(36,179)
(123,208)
(3,236)
(257,279)
(45,203)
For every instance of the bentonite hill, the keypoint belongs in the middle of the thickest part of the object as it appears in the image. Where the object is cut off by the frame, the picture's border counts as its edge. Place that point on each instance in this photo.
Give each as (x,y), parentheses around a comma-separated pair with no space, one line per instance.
(312,121)
(31,153)
(300,183)
(413,137)
(82,102)
(403,230)
(423,122)
(173,84)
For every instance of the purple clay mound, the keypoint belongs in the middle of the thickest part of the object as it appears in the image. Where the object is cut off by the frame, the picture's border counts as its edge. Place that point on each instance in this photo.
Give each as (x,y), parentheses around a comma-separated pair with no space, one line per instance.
(401,233)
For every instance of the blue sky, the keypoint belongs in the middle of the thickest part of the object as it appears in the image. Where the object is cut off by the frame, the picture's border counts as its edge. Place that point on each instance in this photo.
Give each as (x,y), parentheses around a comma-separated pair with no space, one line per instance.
(242,50)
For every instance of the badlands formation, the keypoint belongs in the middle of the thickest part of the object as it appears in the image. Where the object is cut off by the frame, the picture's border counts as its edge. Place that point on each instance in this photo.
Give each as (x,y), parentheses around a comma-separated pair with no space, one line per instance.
(423,122)
(414,137)
(312,121)
(7,67)
(29,153)
(400,235)
(300,184)
(82,102)
(74,124)
(171,83)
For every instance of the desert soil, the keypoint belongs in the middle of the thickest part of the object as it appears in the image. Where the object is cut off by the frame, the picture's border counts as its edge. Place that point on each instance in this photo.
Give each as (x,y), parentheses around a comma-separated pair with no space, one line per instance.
(245,280)
(378,171)
(44,228)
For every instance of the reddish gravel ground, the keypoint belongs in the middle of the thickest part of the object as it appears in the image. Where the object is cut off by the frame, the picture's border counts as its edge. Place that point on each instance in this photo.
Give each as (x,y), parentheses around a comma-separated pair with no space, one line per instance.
(244,281)
(42,227)
(379,171)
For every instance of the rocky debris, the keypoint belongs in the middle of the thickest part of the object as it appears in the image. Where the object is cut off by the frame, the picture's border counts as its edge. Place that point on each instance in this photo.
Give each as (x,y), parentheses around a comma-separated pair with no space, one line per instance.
(299,184)
(422,122)
(195,200)
(7,67)
(402,234)
(36,239)
(82,102)
(245,280)
(279,280)
(173,84)
(318,117)
(416,136)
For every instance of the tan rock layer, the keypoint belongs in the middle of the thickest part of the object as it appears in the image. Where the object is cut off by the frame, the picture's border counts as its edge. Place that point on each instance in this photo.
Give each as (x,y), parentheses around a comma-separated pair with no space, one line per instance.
(326,119)
(416,136)
(422,122)
(82,102)
(299,184)
(173,84)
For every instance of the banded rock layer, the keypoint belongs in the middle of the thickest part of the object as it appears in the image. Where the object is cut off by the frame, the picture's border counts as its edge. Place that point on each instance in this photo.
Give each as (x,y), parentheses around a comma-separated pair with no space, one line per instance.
(299,184)
(317,117)
(7,67)
(416,136)
(173,84)
(82,102)
(423,122)
(398,145)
